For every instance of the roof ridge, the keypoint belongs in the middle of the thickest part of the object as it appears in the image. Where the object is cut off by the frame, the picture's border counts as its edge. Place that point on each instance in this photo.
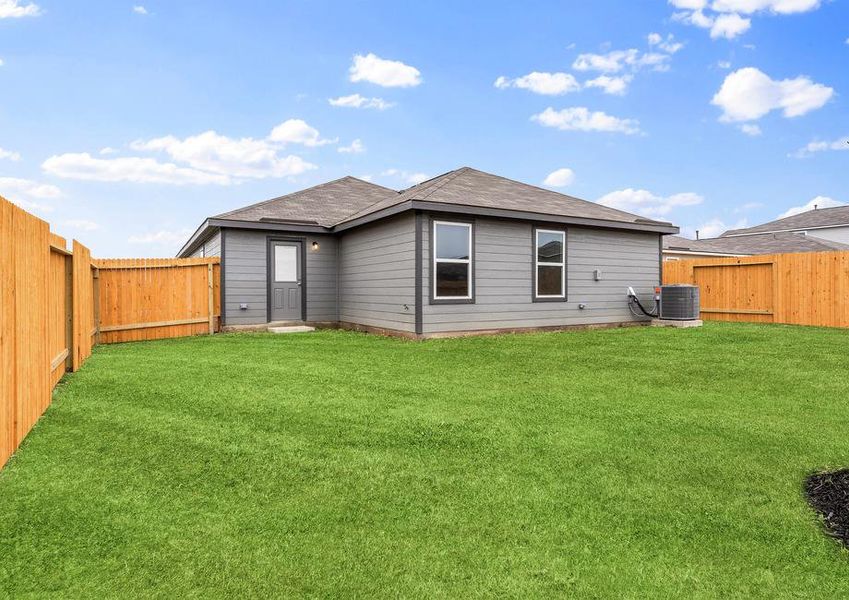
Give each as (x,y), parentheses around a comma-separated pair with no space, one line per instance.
(315,187)
(575,198)
(431,187)
(449,176)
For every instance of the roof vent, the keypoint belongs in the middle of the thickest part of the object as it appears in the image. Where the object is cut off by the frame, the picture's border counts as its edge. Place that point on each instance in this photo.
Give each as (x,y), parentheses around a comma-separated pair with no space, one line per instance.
(287,221)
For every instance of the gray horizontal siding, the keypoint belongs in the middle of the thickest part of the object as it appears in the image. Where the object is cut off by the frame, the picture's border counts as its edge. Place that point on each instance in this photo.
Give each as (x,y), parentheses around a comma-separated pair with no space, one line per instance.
(245,276)
(377,275)
(503,279)
(211,247)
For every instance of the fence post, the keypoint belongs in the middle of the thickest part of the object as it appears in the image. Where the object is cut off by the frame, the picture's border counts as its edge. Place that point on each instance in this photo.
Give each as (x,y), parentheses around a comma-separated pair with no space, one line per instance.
(210,301)
(95,282)
(69,311)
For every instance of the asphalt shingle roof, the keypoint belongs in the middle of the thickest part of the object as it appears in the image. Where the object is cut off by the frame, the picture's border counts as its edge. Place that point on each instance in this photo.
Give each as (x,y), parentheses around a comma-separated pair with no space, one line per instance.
(470,187)
(324,204)
(349,198)
(822,217)
(764,243)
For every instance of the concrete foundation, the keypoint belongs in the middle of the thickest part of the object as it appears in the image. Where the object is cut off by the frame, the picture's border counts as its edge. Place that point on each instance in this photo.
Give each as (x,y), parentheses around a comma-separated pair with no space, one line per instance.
(673,323)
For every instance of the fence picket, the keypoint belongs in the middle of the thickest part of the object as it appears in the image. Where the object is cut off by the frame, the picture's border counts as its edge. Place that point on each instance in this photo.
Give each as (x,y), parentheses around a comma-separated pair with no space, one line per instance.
(54,304)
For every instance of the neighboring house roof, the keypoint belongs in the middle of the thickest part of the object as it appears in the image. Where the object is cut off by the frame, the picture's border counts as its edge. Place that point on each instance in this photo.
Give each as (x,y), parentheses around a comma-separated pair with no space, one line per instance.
(821,217)
(764,243)
(470,187)
(350,202)
(324,205)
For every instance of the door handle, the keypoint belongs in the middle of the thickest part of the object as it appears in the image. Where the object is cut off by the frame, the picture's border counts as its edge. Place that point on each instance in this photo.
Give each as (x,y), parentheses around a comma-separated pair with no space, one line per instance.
(299,283)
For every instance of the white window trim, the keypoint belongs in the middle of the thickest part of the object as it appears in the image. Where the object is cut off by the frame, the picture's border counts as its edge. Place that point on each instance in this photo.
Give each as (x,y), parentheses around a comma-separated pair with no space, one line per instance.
(462,261)
(561,264)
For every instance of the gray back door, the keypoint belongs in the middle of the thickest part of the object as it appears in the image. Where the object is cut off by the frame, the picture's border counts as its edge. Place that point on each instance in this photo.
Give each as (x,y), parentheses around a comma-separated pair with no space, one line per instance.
(285,279)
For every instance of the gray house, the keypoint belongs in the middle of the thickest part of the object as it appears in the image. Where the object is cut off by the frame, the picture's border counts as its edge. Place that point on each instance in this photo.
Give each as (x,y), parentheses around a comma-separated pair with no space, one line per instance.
(465,252)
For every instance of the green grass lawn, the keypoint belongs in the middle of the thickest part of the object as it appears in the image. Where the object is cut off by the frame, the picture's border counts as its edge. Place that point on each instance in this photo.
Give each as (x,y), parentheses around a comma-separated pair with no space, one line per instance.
(613,463)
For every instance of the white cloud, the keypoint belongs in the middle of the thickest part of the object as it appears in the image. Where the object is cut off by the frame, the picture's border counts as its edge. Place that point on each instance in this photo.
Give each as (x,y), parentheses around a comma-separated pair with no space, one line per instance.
(580,118)
(729,26)
(724,64)
(27,193)
(8,154)
(133,169)
(139,10)
(1,62)
(161,238)
(416,178)
(560,178)
(297,131)
(643,202)
(367,177)
(82,224)
(108,150)
(240,158)
(356,147)
(726,26)
(821,146)
(748,94)
(818,202)
(616,86)
(782,7)
(205,158)
(11,187)
(358,101)
(13,9)
(668,45)
(725,21)
(616,61)
(689,4)
(751,129)
(387,73)
(711,228)
(407,177)
(612,62)
(549,84)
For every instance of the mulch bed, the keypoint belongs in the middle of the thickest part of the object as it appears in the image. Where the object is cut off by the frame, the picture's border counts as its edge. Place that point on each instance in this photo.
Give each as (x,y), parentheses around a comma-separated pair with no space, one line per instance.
(828,493)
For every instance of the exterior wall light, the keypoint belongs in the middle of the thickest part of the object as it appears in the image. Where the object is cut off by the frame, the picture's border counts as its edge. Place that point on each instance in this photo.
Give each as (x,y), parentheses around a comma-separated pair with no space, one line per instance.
(315,246)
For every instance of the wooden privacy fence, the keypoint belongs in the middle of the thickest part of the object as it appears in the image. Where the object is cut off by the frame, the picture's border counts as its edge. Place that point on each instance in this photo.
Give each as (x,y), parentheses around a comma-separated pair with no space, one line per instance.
(148,299)
(810,288)
(56,304)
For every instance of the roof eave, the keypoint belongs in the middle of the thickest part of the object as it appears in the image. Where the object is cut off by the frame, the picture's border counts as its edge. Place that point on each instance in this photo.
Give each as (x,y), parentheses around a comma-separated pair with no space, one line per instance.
(654,227)
(268,226)
(200,234)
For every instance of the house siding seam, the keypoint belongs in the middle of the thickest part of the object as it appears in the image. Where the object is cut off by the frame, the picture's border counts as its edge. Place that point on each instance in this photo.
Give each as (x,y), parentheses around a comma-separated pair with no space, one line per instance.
(377,274)
(246,276)
(504,273)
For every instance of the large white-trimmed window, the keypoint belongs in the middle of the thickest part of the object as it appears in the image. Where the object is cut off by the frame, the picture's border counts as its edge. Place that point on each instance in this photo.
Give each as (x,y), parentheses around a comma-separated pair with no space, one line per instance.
(549,264)
(452,275)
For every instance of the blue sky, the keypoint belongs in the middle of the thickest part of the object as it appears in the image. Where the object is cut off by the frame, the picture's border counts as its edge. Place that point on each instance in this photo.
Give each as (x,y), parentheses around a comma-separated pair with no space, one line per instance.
(125,124)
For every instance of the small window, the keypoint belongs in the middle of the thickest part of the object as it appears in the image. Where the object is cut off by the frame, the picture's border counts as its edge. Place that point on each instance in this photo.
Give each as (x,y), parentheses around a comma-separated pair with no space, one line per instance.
(550,264)
(285,263)
(452,261)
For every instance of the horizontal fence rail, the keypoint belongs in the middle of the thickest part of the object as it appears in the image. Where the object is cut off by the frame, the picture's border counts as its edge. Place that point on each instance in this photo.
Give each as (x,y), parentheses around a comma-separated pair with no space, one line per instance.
(148,299)
(56,303)
(810,288)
